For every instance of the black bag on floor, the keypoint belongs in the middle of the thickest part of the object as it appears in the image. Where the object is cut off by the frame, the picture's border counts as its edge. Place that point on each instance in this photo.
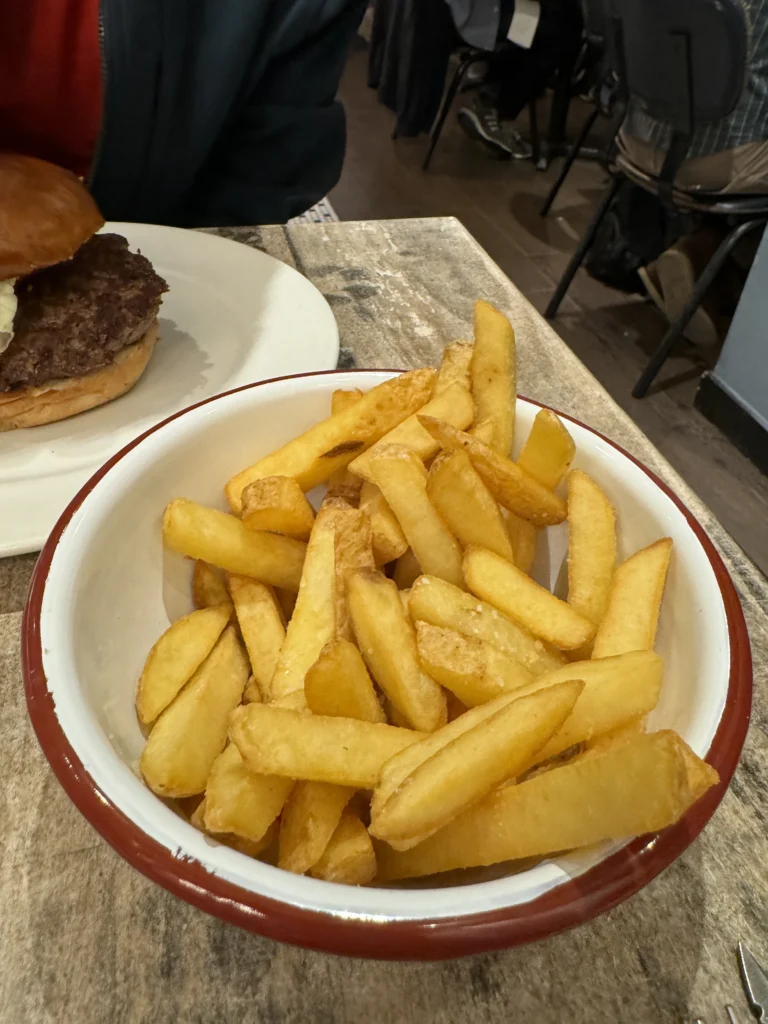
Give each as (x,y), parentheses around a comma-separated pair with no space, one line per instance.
(637,229)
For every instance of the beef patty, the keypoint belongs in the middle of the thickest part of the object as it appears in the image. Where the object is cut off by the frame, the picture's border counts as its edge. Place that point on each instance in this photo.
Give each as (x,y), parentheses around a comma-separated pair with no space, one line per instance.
(74,318)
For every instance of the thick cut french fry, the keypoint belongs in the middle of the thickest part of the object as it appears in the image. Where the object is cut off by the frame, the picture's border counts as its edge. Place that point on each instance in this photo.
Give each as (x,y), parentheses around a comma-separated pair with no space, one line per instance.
(388,644)
(454,406)
(522,536)
(175,658)
(313,456)
(493,372)
(505,673)
(387,536)
(469,667)
(643,785)
(461,498)
(507,588)
(454,366)
(348,858)
(277,503)
(617,691)
(591,546)
(240,802)
(342,483)
(294,701)
(483,431)
(618,736)
(208,589)
(393,716)
(338,685)
(197,818)
(455,707)
(700,775)
(277,741)
(199,532)
(634,602)
(249,847)
(354,550)
(341,399)
(407,570)
(548,451)
(401,477)
(346,486)
(433,463)
(261,626)
(252,693)
(191,733)
(501,747)
(309,819)
(286,601)
(433,600)
(510,485)
(313,623)
(401,765)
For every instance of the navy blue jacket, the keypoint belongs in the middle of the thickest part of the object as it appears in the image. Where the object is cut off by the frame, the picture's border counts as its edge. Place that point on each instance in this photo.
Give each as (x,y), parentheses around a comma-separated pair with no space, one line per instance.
(220,111)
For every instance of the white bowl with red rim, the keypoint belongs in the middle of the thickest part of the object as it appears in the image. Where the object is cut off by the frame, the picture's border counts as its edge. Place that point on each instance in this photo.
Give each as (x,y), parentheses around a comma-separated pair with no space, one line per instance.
(104,589)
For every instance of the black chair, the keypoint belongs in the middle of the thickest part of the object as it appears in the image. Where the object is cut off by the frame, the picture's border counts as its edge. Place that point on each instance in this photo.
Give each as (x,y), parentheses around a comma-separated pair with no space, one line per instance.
(684,61)
(555,143)
(609,99)
(468,56)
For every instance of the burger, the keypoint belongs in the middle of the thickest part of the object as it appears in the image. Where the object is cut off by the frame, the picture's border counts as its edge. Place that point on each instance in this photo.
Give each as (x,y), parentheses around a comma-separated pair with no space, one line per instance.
(78,310)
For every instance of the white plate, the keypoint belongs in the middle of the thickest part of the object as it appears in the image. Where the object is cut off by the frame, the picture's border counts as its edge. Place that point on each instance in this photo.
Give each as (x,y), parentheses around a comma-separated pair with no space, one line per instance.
(233,315)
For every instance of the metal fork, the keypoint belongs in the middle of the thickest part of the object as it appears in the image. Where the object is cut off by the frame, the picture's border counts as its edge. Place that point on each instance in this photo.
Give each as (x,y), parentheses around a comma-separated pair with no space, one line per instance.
(755,980)
(731,1016)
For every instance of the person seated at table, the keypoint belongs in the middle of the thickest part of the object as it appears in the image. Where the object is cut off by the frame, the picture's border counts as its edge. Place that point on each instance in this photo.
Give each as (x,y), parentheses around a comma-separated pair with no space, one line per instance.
(730,155)
(516,75)
(726,156)
(202,112)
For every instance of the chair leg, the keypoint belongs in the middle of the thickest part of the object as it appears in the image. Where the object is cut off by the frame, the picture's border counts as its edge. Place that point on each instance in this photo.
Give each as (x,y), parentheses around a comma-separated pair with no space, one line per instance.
(573,152)
(616,121)
(675,331)
(578,257)
(448,99)
(561,101)
(533,120)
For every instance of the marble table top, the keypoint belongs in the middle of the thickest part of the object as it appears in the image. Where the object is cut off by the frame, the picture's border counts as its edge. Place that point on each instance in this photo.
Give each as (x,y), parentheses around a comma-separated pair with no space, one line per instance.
(84,938)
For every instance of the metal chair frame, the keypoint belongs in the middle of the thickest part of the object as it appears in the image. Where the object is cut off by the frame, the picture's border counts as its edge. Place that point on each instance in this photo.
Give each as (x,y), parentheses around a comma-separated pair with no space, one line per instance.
(749,211)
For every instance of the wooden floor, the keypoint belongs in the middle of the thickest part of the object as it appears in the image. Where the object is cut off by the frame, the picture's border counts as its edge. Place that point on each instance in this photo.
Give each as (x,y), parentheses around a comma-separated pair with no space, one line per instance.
(612,333)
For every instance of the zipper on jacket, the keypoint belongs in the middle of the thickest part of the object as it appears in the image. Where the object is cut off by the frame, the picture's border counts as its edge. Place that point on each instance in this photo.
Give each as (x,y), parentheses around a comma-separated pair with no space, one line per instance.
(103,65)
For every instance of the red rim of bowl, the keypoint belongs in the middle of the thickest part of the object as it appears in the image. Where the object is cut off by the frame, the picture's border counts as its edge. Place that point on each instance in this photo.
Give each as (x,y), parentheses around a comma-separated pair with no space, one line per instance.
(575,902)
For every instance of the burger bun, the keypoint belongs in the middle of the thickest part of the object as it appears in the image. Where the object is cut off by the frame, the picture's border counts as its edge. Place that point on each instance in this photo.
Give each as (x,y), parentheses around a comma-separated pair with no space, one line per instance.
(46,214)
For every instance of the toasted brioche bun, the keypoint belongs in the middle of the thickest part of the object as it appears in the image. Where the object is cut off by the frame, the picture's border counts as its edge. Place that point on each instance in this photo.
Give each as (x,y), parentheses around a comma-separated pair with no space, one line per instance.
(46,214)
(32,407)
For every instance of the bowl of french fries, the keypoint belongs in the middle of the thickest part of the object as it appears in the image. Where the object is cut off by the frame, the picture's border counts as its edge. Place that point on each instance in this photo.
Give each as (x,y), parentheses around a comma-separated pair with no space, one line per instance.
(388,664)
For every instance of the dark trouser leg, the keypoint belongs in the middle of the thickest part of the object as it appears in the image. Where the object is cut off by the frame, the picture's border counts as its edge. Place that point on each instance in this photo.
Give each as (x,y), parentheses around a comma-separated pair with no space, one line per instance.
(533,116)
(659,357)
(517,76)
